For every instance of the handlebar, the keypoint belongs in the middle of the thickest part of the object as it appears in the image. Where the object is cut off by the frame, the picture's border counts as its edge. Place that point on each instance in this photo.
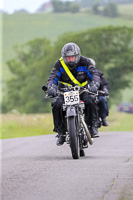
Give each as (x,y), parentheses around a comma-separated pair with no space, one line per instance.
(84,90)
(78,88)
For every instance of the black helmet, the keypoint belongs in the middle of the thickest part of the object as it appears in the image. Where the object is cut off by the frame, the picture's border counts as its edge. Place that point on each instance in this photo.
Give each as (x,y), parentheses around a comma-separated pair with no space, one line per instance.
(71,49)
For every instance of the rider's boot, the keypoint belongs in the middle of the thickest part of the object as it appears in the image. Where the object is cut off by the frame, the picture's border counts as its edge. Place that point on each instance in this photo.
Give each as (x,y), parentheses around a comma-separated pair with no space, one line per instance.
(104,122)
(93,127)
(94,132)
(99,123)
(61,139)
(82,153)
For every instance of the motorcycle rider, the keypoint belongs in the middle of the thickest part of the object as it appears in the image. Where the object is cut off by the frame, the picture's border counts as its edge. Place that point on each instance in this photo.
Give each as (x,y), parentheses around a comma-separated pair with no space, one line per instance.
(70,69)
(102,100)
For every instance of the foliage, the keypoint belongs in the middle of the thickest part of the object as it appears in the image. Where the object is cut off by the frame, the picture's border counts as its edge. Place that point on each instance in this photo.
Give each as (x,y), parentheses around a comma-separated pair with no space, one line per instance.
(89,3)
(110,10)
(14,25)
(30,70)
(60,6)
(74,8)
(110,47)
(95,8)
(124,1)
(21,11)
(65,6)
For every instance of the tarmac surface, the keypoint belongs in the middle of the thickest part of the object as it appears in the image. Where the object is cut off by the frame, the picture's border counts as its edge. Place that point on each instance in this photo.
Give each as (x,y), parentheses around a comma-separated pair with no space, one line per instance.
(34,168)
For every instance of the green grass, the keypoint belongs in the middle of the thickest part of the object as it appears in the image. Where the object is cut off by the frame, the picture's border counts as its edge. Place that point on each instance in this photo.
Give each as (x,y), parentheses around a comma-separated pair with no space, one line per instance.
(14,125)
(119,121)
(126,10)
(127,95)
(20,28)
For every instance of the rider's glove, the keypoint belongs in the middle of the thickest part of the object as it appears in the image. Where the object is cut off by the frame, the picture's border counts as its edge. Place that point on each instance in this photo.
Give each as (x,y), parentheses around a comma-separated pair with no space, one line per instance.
(106,91)
(52,90)
(94,87)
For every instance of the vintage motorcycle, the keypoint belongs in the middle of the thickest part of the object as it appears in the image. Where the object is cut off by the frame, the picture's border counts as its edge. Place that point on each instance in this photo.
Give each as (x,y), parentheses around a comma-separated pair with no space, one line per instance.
(78,135)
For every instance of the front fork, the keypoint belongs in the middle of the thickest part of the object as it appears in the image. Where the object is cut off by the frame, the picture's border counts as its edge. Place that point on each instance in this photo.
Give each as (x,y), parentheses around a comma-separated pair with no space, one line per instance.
(71,111)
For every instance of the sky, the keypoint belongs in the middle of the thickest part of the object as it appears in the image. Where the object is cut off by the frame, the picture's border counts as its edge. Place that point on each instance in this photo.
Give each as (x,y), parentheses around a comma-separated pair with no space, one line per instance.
(30,5)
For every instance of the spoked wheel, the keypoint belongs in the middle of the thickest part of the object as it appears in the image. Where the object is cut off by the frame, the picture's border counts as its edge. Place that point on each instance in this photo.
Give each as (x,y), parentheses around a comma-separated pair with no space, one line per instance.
(74,140)
(87,132)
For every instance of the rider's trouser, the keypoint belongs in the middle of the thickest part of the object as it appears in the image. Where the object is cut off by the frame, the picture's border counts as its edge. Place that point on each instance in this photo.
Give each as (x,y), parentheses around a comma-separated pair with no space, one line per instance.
(59,115)
(91,112)
(103,107)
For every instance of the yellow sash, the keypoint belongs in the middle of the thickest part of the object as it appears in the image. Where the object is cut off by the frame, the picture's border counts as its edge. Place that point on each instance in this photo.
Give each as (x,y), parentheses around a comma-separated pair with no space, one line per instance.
(73,79)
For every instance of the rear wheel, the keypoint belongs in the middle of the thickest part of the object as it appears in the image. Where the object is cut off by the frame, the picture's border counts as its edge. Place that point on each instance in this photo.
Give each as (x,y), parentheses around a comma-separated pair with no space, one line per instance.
(74,140)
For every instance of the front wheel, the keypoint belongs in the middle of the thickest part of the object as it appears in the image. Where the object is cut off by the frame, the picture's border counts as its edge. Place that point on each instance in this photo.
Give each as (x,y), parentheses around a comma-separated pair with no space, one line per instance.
(74,140)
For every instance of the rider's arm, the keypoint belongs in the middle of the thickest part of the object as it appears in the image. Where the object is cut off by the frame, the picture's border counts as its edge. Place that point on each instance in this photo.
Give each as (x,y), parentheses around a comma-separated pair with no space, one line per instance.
(104,84)
(55,75)
(88,74)
(95,74)
(92,73)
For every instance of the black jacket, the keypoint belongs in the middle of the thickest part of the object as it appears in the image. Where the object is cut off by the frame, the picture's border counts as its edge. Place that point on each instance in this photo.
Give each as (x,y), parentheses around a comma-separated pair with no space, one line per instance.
(80,72)
(104,85)
(103,82)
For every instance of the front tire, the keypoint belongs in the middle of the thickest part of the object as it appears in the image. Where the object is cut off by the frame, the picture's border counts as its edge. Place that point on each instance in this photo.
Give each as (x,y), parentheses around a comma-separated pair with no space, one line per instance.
(74,140)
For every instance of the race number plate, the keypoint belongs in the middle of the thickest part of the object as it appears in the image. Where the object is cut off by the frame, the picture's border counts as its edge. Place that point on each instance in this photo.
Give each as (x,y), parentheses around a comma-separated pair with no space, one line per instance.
(71,97)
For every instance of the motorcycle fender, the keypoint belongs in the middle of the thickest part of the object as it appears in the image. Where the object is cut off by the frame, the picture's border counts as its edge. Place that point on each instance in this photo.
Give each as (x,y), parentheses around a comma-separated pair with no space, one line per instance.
(70,112)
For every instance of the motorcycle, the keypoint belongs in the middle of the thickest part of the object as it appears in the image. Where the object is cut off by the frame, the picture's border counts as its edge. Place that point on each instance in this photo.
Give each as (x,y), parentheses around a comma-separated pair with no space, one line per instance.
(78,135)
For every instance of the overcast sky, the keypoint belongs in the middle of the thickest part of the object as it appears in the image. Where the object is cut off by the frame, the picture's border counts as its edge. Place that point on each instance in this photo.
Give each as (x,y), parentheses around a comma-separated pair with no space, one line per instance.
(12,5)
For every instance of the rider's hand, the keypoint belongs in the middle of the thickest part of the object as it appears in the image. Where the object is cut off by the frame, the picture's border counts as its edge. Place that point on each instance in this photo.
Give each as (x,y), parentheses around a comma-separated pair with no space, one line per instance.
(106,91)
(52,90)
(94,87)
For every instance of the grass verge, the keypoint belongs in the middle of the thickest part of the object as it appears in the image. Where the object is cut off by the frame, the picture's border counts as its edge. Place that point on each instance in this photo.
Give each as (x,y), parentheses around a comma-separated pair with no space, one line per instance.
(119,121)
(15,125)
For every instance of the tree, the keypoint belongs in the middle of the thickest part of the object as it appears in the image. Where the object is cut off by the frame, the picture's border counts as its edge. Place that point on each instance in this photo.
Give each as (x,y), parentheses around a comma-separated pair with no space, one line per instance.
(74,8)
(110,10)
(30,71)
(60,6)
(21,11)
(95,8)
(67,6)
(110,47)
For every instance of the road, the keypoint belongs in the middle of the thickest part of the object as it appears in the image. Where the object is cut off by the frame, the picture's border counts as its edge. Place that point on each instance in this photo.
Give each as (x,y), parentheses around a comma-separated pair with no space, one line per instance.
(34,168)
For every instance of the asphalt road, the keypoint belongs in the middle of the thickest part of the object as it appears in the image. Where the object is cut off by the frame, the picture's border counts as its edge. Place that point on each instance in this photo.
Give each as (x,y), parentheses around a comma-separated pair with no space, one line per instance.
(34,168)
